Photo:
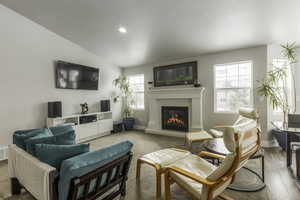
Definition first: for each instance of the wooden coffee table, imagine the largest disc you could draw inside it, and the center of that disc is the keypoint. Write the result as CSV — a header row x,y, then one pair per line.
x,y
217,146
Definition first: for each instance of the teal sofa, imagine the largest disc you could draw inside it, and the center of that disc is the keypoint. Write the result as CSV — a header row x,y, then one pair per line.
x,y
85,176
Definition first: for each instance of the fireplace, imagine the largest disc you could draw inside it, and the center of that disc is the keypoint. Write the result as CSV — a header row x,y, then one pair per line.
x,y
175,118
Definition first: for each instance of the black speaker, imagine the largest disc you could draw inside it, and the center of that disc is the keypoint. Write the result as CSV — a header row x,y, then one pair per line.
x,y
104,105
54,109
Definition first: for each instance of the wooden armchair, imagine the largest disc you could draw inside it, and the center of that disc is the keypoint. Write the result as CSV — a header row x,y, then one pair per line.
x,y
245,114
205,181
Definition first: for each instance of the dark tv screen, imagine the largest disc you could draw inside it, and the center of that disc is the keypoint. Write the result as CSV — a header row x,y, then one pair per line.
x,y
176,74
74,76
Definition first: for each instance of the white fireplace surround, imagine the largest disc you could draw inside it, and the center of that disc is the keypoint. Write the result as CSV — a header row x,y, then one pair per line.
x,y
177,96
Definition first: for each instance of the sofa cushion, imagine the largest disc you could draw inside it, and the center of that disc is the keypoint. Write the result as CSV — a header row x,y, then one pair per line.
x,y
31,142
57,130
65,138
19,137
54,155
87,162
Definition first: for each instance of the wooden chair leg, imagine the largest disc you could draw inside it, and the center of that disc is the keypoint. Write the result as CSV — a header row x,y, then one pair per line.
x,y
263,167
15,186
224,197
158,184
167,187
138,168
191,146
298,163
123,190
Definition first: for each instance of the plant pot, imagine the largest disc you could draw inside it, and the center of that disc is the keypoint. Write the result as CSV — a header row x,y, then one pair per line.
x,y
128,123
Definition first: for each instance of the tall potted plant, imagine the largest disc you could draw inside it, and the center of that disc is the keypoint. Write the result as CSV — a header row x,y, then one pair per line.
x,y
122,83
290,52
273,86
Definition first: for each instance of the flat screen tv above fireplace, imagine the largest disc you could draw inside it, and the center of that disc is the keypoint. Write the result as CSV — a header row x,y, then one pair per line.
x,y
176,74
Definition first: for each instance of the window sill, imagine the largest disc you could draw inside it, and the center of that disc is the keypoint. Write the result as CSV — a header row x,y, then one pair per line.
x,y
230,113
138,109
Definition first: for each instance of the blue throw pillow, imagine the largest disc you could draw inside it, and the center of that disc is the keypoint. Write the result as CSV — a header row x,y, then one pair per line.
x,y
65,138
19,137
57,130
54,155
31,142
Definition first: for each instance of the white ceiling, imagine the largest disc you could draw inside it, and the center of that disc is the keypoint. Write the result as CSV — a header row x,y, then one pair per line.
x,y
160,30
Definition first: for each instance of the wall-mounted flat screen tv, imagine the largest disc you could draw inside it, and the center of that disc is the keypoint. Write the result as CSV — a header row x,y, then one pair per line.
x,y
75,76
176,74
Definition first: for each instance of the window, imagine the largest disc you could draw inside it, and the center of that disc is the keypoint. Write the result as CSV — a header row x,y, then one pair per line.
x,y
233,86
137,84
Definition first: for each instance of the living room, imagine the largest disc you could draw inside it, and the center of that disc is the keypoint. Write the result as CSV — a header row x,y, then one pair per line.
x,y
149,100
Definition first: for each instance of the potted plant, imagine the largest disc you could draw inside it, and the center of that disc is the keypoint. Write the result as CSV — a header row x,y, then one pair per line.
x,y
273,86
290,52
126,93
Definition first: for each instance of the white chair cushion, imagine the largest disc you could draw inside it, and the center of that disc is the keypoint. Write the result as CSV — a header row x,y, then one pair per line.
x,y
215,133
223,168
248,113
240,129
165,157
195,165
229,140
188,184
198,136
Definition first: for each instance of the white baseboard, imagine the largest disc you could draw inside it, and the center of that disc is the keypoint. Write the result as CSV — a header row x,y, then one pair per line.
x,y
139,127
269,143
166,132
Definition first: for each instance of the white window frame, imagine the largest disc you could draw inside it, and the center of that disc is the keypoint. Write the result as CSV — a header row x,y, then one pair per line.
x,y
134,107
215,89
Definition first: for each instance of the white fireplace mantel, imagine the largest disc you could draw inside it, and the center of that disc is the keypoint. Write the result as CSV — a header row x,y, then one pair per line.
x,y
177,96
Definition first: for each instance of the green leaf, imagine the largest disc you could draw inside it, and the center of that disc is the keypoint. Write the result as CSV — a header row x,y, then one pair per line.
x,y
290,51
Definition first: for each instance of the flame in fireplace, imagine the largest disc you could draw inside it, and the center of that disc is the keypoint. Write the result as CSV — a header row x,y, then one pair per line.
x,y
174,119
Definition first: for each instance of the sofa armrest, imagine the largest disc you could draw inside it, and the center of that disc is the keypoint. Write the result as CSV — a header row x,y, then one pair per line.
x,y
37,177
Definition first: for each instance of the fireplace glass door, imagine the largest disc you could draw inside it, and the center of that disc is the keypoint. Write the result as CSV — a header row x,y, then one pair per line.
x,y
175,118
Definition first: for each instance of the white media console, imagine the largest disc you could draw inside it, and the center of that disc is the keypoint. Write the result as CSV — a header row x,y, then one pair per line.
x,y
101,125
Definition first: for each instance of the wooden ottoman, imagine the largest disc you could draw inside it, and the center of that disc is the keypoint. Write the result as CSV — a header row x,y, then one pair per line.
x,y
159,160
196,136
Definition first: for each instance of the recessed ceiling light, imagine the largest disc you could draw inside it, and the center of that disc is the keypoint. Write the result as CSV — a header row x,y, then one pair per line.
x,y
122,30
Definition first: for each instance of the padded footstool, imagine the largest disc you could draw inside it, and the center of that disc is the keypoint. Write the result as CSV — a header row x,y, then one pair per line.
x,y
196,136
159,160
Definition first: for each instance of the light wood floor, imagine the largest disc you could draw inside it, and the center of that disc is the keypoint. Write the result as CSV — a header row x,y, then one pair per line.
x,y
280,180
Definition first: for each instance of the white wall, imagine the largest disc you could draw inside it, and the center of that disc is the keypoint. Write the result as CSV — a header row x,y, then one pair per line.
x,y
27,55
205,74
